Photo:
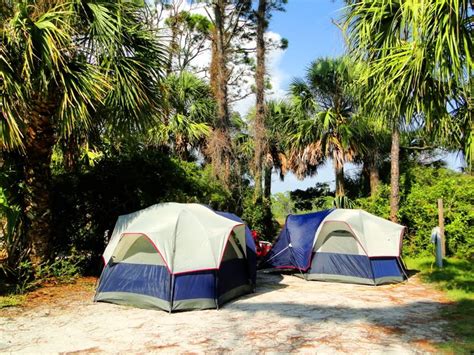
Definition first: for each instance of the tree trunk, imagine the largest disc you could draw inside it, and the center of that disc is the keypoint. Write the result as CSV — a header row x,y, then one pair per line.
x,y
71,154
39,142
394,173
173,46
259,124
373,172
267,191
220,147
221,64
339,171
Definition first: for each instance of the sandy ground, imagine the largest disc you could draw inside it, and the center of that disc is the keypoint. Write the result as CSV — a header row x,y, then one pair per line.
x,y
287,314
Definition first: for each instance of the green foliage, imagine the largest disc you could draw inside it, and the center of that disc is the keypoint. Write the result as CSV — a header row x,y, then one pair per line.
x,y
282,206
420,209
12,300
12,242
189,113
419,58
322,126
63,269
421,188
313,199
259,217
77,57
457,279
377,204
342,202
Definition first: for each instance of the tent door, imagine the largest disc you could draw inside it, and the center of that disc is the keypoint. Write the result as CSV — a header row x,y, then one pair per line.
x,y
340,257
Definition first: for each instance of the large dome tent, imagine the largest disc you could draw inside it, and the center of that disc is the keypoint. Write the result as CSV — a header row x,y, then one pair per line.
x,y
344,245
176,256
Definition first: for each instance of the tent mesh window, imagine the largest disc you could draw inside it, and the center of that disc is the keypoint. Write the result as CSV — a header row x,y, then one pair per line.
x,y
341,242
136,249
233,249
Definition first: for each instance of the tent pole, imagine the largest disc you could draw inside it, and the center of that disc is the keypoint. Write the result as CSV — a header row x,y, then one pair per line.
x,y
402,266
371,269
171,292
299,269
216,288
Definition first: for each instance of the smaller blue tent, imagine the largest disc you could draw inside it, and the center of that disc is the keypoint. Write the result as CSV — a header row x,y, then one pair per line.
x,y
340,245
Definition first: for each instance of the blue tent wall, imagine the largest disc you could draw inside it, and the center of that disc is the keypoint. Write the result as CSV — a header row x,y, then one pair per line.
x,y
299,231
135,278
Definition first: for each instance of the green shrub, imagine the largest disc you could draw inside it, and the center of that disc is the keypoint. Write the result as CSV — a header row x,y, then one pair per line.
x,y
259,217
378,204
421,189
419,209
282,206
13,249
313,199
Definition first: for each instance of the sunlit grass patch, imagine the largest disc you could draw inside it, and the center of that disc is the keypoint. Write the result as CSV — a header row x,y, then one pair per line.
x,y
457,279
11,300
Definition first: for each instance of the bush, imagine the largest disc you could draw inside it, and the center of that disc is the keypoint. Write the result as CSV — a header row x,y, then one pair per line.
x,y
13,244
259,217
421,189
282,206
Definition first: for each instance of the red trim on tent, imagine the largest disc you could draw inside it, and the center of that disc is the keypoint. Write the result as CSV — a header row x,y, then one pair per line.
x,y
220,260
191,271
227,243
188,271
358,241
333,221
151,241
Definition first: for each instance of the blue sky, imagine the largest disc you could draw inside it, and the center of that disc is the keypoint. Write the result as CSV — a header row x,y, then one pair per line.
x,y
307,26
311,34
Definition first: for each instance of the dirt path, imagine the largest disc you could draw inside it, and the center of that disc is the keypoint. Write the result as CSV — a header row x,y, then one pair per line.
x,y
287,314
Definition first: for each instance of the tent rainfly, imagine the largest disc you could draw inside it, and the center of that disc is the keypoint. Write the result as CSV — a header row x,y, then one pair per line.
x,y
175,256
340,245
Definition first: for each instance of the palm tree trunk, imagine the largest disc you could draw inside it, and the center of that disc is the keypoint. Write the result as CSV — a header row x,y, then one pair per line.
x,y
260,96
39,141
71,154
222,75
267,191
394,174
219,148
374,176
339,171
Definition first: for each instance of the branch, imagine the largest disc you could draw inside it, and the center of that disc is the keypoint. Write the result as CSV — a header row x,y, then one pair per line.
x,y
426,147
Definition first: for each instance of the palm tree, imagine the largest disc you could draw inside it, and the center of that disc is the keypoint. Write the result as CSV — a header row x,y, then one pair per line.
x,y
420,55
324,126
190,112
275,154
61,61
376,140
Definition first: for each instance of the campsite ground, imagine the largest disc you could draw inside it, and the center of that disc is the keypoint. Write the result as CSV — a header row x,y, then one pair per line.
x,y
286,314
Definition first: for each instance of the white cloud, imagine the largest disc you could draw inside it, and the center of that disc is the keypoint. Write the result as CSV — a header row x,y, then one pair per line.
x,y
274,72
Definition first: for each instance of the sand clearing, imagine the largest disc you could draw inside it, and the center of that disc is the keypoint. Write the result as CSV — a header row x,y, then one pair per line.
x,y
287,314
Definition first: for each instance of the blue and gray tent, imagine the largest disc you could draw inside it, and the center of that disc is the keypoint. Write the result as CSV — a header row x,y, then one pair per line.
x,y
175,256
340,245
